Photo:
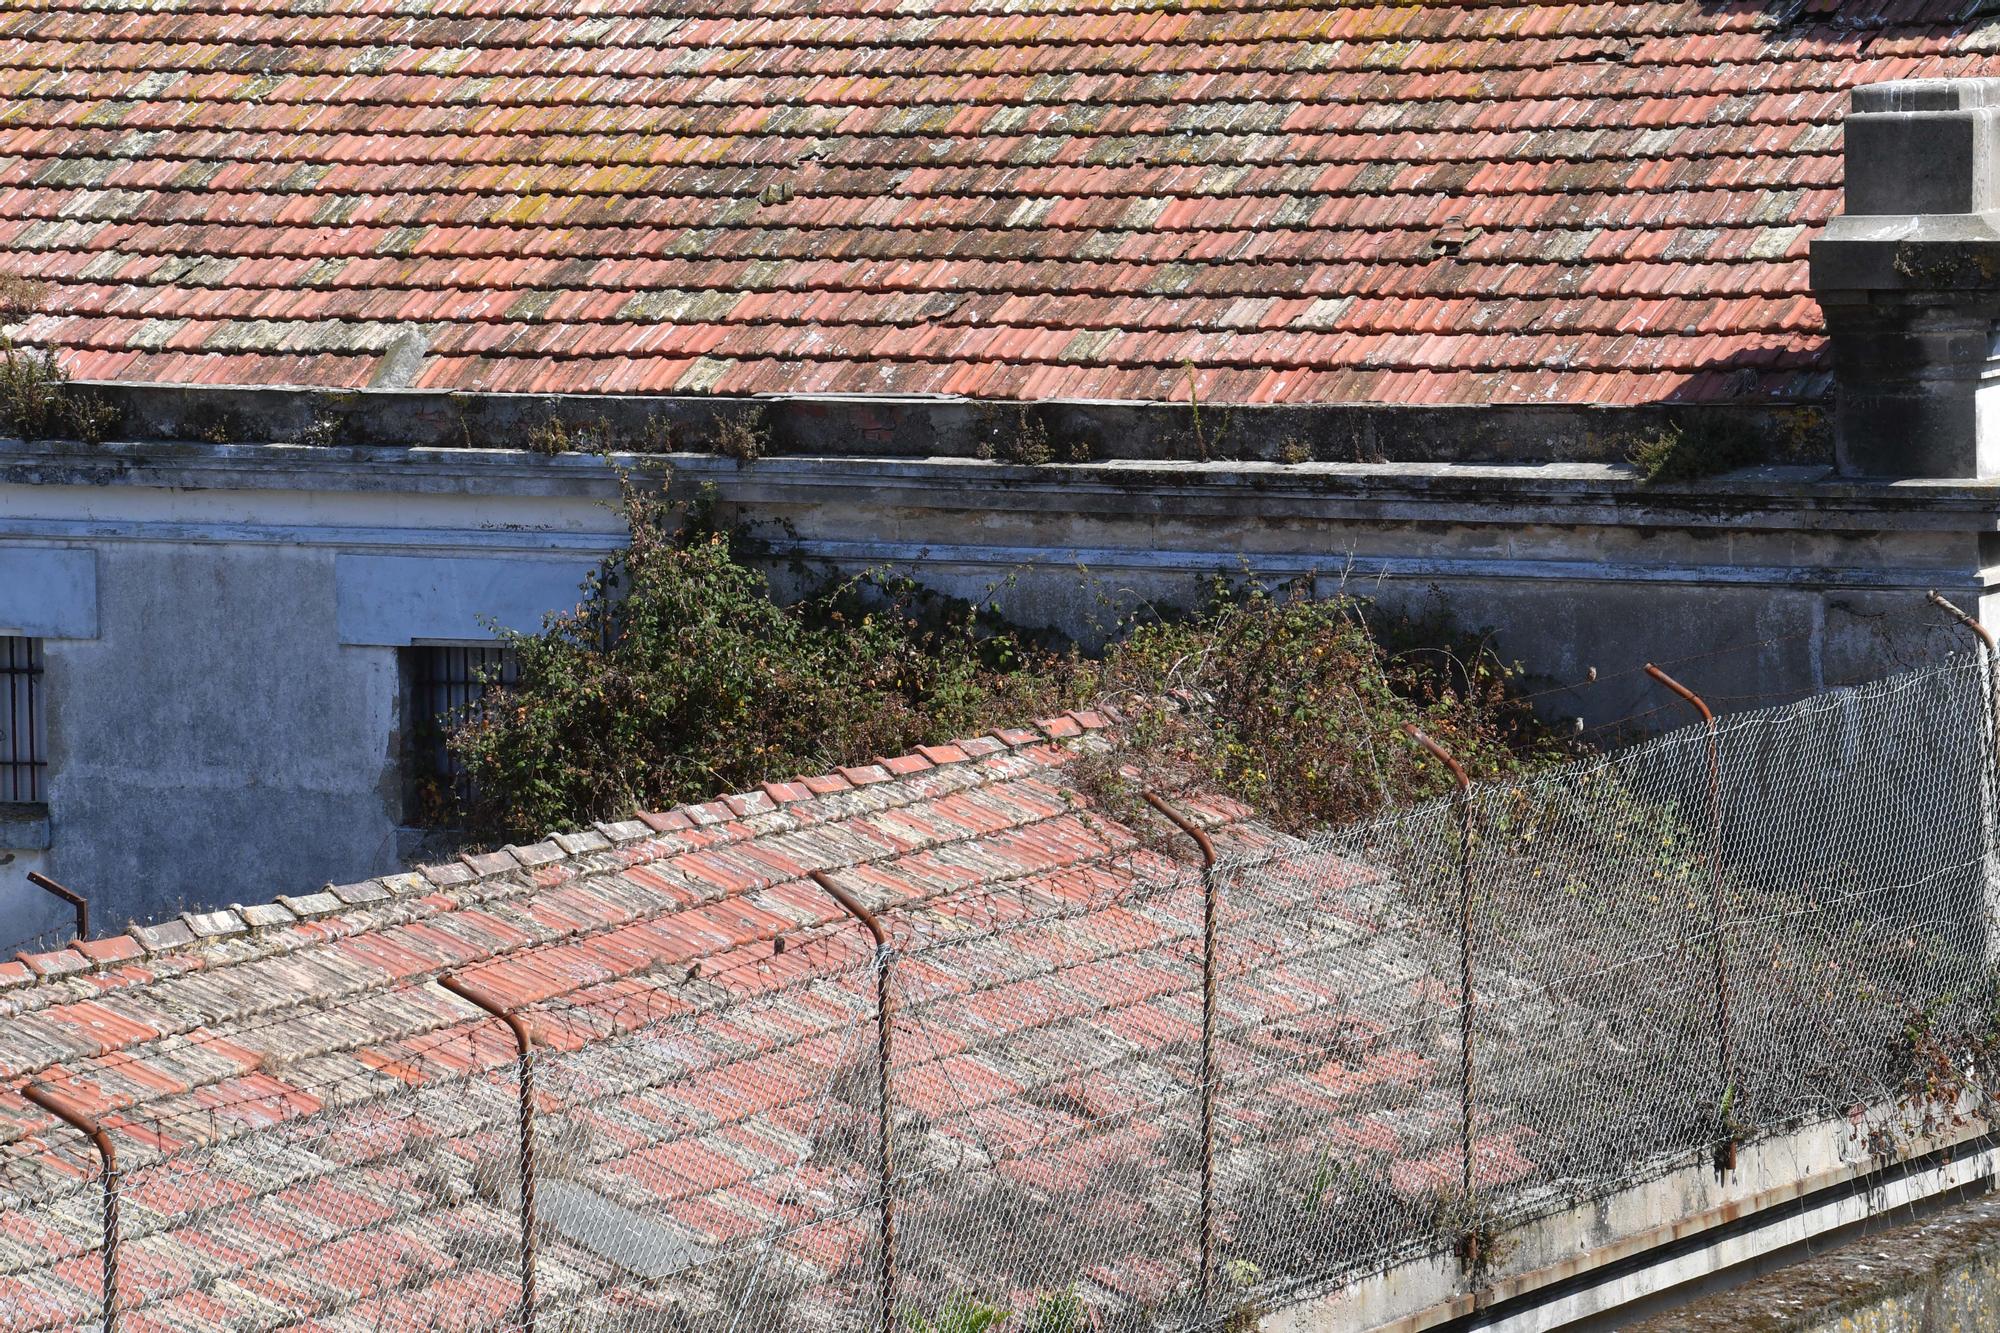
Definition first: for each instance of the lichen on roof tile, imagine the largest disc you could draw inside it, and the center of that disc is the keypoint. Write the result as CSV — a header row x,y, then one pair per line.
x,y
1034,201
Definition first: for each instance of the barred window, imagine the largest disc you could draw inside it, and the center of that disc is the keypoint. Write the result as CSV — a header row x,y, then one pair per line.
x,y
444,685
24,747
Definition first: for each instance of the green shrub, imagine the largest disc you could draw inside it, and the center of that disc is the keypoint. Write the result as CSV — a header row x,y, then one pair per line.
x,y
1057,1312
1295,704
37,402
961,1314
1689,453
679,676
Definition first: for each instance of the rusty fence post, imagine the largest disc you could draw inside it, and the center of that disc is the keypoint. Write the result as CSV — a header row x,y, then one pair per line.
x,y
74,1115
70,896
1210,989
479,997
1990,652
885,1162
1465,992
1725,1057
1990,814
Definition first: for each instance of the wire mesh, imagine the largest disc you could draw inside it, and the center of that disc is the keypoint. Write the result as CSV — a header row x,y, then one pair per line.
x,y
1632,962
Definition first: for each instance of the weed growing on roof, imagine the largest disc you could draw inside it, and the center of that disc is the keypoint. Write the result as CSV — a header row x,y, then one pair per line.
x,y
1208,436
1026,445
591,435
20,296
560,435
38,403
1292,451
1688,453
320,433
36,400
745,438
1026,442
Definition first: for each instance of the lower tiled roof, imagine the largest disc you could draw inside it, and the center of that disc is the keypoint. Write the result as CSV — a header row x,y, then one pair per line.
x,y
317,1135
1273,200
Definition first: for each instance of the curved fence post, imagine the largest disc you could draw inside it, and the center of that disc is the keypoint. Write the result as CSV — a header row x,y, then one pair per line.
x,y
1725,1058
78,903
884,1147
1989,651
1465,991
1989,805
74,1115
1210,988
479,997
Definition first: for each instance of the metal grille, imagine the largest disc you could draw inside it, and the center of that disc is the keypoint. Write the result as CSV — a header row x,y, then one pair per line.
x,y
445,685
23,742
1090,1089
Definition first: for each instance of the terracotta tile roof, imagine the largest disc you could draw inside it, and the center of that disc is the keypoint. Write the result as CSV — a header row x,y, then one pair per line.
x,y
1489,201
315,1135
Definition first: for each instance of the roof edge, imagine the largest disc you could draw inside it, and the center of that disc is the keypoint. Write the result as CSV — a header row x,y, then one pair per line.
x,y
939,426
188,930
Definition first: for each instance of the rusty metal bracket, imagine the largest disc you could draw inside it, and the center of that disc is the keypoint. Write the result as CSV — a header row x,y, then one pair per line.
x,y
77,1117
1991,651
885,1161
1725,1057
1210,993
1970,622
1465,992
1990,654
479,997
70,896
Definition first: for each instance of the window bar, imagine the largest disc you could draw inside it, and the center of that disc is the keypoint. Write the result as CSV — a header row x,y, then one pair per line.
x,y
447,686
22,764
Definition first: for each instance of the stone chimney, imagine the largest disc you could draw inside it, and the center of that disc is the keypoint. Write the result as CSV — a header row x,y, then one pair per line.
x,y
1909,279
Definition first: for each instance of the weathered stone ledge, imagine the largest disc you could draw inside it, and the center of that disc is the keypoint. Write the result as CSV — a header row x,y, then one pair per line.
x,y
922,426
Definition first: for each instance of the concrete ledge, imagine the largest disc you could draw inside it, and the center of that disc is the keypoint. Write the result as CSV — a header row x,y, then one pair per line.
x,y
880,425
1940,1273
1570,1261
1787,497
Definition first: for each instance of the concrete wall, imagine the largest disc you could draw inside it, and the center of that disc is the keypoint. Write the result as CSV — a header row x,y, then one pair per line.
x,y
215,737
222,621
222,694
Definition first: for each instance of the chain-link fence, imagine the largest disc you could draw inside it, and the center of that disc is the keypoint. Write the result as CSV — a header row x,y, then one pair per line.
x,y
1100,1111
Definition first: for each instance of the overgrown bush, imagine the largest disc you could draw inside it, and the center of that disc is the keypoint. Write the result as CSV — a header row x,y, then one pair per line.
x,y
1294,705
679,676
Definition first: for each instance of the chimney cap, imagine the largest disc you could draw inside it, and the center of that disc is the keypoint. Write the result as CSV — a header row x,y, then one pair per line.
x,y
1905,96
1909,279
1924,148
